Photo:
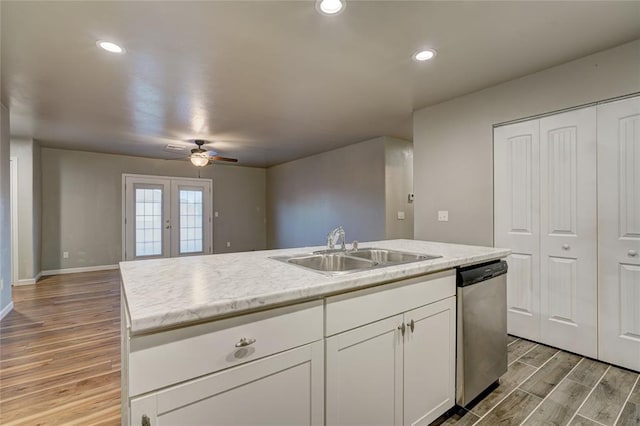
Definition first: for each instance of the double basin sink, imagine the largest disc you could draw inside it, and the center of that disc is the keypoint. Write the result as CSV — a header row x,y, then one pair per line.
x,y
334,262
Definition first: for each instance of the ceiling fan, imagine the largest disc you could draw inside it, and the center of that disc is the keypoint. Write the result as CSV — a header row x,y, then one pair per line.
x,y
200,157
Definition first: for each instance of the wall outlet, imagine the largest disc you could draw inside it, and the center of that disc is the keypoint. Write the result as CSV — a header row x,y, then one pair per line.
x,y
228,243
443,215
400,215
65,254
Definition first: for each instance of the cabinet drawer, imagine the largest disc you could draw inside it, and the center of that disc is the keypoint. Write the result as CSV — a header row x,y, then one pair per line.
x,y
283,389
351,310
170,357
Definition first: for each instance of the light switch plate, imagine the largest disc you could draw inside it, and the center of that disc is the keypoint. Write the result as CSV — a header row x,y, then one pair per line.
x,y
215,214
443,215
65,254
400,215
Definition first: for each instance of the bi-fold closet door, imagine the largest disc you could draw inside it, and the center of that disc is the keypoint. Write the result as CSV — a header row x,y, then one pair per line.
x,y
619,232
545,211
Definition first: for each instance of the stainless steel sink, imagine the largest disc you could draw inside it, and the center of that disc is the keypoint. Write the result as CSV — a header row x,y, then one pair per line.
x,y
387,256
334,262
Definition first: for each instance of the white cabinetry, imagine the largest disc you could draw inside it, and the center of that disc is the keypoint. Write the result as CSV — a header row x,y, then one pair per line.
x,y
283,389
261,368
619,232
392,361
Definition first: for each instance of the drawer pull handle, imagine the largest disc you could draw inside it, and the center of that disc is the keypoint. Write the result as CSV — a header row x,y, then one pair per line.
x,y
632,253
402,328
411,325
566,247
145,420
245,342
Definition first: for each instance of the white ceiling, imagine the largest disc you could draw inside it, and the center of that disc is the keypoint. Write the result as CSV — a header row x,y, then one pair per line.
x,y
272,81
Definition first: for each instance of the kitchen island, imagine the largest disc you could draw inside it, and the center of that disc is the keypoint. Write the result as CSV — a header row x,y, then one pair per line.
x,y
242,338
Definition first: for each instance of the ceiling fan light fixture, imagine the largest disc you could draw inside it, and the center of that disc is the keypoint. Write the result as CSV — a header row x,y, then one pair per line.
x,y
330,7
199,159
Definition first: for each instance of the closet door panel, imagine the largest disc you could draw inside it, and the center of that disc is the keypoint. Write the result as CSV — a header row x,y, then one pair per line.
x,y
619,232
568,271
517,222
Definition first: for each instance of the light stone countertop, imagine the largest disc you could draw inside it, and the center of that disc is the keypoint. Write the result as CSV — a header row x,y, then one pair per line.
x,y
166,293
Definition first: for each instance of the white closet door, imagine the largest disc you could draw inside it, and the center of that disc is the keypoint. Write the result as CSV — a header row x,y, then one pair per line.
x,y
568,270
619,232
517,221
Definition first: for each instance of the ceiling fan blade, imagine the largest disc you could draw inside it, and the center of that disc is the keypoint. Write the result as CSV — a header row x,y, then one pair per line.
x,y
219,158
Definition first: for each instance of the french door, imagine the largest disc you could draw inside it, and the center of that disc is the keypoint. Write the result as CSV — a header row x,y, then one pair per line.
x,y
166,217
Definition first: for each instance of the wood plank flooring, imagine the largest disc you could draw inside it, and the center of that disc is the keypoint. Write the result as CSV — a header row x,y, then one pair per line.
x,y
547,386
60,352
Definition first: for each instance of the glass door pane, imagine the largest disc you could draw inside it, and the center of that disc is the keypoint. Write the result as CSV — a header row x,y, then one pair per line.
x,y
148,221
191,220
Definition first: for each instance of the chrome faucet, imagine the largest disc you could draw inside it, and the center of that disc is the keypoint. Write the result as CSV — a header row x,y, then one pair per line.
x,y
334,236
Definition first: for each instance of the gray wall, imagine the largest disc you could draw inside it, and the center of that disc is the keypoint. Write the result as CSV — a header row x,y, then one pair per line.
x,y
307,198
453,141
398,185
29,217
81,205
5,212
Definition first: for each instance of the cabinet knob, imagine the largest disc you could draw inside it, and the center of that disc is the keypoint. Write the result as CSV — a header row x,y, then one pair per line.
x,y
145,420
632,253
402,328
411,325
245,342
566,247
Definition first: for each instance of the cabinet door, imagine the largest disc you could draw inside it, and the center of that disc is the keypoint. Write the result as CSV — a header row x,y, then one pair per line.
x,y
568,261
619,232
364,375
429,362
517,221
284,389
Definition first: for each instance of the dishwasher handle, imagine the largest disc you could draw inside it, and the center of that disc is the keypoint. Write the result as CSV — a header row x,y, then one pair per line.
x,y
477,273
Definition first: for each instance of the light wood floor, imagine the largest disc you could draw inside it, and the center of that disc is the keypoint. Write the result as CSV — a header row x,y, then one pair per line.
x,y
60,352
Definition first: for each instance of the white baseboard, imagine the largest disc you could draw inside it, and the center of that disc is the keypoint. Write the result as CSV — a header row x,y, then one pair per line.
x,y
81,269
29,281
6,310
25,281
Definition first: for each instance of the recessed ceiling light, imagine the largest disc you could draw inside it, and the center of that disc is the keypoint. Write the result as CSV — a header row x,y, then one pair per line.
x,y
109,46
424,55
330,7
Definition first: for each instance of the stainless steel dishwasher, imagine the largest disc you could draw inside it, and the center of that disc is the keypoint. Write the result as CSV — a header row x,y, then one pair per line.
x,y
482,328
